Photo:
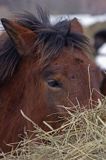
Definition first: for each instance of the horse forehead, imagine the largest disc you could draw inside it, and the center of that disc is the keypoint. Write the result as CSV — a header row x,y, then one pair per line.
x,y
69,57
74,62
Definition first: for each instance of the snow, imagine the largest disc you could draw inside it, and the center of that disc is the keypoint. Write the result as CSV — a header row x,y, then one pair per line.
x,y
101,62
85,19
101,57
102,50
1,28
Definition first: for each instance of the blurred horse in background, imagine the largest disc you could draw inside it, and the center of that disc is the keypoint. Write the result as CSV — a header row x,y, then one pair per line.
x,y
99,39
42,68
100,55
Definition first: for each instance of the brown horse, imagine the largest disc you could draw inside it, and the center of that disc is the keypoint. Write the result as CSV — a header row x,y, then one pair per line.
x,y
43,67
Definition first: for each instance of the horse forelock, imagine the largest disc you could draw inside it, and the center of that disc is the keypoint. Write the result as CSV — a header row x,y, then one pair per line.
x,y
51,39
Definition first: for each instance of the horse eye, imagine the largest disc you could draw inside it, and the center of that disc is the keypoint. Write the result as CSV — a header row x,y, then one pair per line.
x,y
54,83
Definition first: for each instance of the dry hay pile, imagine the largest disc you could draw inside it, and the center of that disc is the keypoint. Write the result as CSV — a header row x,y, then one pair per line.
x,y
82,137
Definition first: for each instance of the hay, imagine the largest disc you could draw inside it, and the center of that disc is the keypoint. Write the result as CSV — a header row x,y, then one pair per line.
x,y
82,137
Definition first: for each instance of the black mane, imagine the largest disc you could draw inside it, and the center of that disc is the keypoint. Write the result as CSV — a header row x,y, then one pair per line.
x,y
51,39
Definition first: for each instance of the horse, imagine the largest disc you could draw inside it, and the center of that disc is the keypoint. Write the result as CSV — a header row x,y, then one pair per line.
x,y
43,67
100,55
99,39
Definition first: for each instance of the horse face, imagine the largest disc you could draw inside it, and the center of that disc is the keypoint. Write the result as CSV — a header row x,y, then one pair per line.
x,y
71,78
68,79
41,90
64,82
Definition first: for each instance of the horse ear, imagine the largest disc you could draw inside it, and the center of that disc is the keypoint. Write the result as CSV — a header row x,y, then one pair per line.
x,y
22,37
75,26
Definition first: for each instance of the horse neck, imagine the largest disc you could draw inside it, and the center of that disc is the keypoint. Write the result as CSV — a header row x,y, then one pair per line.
x,y
11,91
11,94
19,92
